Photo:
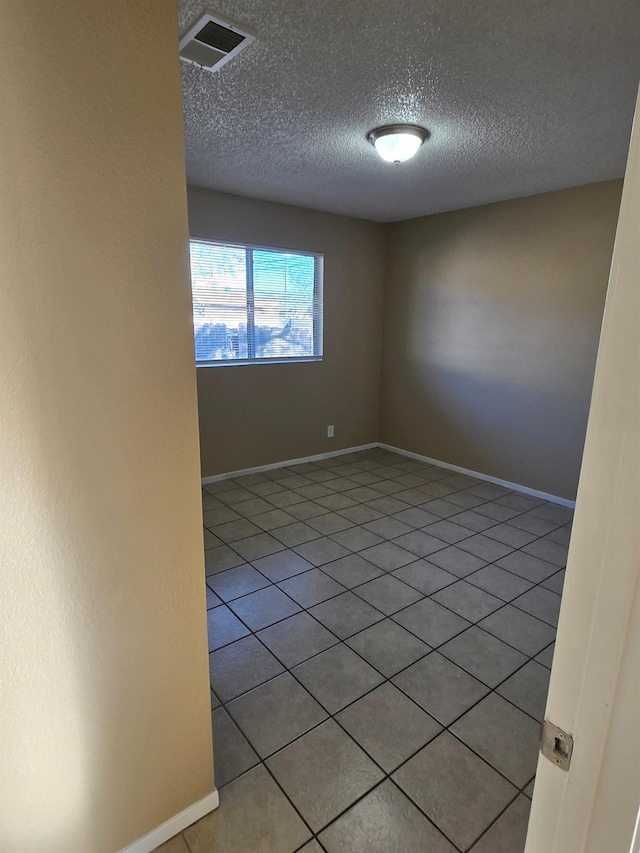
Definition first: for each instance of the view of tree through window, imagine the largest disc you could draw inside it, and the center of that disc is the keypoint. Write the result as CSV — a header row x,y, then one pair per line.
x,y
255,303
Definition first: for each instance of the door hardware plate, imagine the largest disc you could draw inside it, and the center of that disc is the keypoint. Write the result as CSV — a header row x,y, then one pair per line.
x,y
556,745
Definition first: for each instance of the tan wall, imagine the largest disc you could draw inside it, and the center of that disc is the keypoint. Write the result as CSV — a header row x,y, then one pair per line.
x,y
104,705
257,414
492,319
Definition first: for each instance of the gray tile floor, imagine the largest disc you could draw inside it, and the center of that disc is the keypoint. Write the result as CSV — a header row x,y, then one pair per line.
x,y
380,635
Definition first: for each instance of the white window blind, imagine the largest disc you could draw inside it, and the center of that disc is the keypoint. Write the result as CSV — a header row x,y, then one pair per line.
x,y
255,304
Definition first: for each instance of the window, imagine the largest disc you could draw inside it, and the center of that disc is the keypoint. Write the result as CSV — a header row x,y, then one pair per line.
x,y
254,304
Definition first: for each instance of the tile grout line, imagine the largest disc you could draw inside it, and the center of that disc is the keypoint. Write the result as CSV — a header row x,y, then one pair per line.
x,y
186,840
498,816
409,506
385,678
390,616
432,648
418,557
307,608
272,531
423,529
332,716
391,572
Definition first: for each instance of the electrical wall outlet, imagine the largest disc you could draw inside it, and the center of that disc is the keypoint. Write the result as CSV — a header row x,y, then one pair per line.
x,y
330,432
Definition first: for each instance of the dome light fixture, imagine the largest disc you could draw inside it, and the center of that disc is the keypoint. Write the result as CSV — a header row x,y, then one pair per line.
x,y
396,143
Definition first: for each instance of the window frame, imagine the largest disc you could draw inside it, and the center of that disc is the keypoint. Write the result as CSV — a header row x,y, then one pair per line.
x,y
318,305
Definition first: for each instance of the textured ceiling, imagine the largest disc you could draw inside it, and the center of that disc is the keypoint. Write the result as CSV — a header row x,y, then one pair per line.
x,y
520,98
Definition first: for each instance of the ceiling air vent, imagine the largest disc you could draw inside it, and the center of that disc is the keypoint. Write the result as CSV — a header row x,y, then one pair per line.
x,y
211,42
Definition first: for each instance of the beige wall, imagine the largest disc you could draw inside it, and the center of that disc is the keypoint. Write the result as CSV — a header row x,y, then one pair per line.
x,y
104,704
492,318
257,414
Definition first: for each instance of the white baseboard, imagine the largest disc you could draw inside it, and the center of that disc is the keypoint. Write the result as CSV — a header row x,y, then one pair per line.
x,y
272,467
174,825
515,487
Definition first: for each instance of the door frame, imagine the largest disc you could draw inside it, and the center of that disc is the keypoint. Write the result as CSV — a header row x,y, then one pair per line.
x,y
593,676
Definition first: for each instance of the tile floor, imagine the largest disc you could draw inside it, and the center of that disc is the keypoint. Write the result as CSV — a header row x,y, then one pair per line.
x,y
380,636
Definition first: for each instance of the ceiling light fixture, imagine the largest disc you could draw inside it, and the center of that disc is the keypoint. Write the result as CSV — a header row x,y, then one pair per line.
x,y
396,143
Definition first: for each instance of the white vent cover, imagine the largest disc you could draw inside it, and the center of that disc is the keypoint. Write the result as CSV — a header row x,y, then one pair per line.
x,y
211,42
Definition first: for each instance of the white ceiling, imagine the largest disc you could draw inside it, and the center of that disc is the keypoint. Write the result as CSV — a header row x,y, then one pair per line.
x,y
520,98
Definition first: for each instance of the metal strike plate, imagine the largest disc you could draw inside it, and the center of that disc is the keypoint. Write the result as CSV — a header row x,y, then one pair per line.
x,y
556,745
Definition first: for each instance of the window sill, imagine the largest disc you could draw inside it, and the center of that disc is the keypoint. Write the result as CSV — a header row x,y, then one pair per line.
x,y
236,362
